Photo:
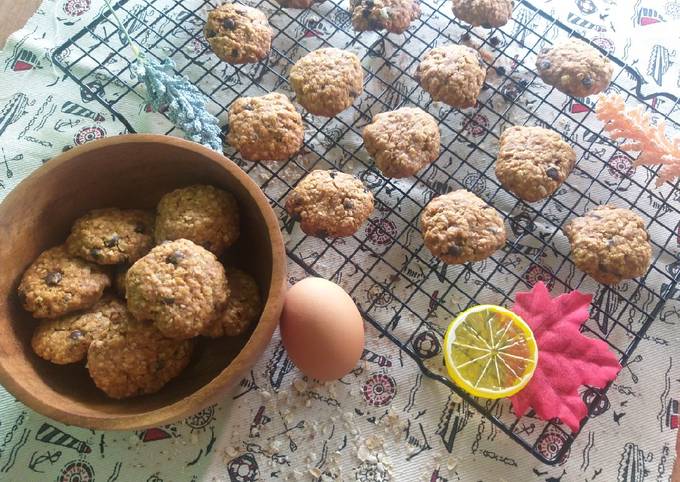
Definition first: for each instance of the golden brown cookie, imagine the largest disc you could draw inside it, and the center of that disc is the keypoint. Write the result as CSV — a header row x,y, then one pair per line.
x,y
266,128
326,81
136,359
66,340
402,142
485,13
238,34
459,227
610,244
392,15
575,68
112,236
330,203
243,306
453,74
533,162
57,284
203,214
179,286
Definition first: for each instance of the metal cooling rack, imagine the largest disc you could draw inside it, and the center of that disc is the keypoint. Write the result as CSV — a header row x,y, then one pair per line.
x,y
401,290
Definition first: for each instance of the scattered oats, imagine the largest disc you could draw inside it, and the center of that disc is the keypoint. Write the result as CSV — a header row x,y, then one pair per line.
x,y
363,453
372,459
265,394
380,467
288,419
232,451
300,385
451,463
314,472
275,446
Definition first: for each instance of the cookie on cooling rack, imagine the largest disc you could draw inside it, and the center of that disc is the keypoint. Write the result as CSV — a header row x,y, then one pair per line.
x,y
135,358
459,227
243,306
238,34
392,15
453,74
330,203
112,236
179,286
57,284
402,142
203,214
485,13
533,162
610,244
575,68
327,81
265,128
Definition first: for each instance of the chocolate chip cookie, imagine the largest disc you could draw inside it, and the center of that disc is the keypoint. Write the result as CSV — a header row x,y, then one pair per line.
x,y
112,236
265,128
66,340
135,358
610,244
180,286
453,74
575,68
459,227
402,142
392,15
533,162
203,214
238,34
326,81
243,306
57,284
330,203
485,13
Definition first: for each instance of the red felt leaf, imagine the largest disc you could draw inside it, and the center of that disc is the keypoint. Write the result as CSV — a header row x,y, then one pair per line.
x,y
566,358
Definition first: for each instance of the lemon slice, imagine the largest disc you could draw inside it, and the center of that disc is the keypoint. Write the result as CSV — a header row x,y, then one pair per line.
x,y
490,352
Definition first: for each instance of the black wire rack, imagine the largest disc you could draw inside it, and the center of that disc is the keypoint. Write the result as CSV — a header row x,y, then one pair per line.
x,y
403,291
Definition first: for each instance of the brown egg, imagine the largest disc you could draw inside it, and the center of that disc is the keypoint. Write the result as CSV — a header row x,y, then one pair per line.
x,y
322,329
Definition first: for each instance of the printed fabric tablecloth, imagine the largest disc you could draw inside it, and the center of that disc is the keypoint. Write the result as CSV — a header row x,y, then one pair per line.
x,y
382,422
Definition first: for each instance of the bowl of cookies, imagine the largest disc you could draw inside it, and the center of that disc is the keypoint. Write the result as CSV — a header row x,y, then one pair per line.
x,y
142,276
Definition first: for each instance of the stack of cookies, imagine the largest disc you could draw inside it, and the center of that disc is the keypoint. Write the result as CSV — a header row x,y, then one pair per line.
x,y
130,290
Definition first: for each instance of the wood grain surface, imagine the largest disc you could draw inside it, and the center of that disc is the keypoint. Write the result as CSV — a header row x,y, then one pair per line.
x,y
13,16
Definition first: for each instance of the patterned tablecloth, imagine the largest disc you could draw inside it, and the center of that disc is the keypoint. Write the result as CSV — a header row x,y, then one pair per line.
x,y
384,421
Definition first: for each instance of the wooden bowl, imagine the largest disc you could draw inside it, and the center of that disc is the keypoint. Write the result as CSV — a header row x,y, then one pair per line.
x,y
129,171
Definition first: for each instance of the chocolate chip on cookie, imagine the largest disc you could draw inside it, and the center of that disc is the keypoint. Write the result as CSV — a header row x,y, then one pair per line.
x,y
392,15
330,203
238,34
533,162
242,309
402,142
327,81
485,13
610,244
575,68
203,214
266,128
180,286
453,74
57,284
459,227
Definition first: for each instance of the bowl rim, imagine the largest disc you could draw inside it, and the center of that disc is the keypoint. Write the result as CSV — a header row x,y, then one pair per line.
x,y
248,355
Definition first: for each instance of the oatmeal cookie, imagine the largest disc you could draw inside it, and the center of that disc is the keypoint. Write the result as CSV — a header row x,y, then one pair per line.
x,y
610,244
112,236
326,81
266,128
392,15
243,306
575,68
66,340
203,214
136,359
402,142
485,13
459,227
533,162
238,34
330,203
180,286
453,74
57,284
